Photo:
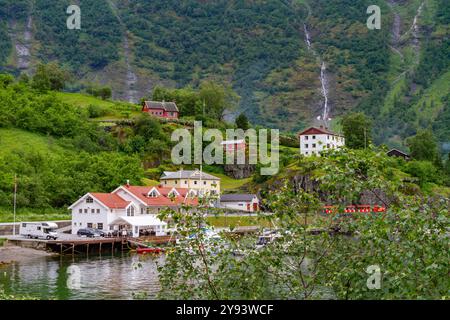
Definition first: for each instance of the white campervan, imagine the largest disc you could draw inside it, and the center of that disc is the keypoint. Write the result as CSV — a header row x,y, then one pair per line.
x,y
36,230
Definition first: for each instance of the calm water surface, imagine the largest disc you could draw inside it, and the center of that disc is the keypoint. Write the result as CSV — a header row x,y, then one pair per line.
x,y
105,277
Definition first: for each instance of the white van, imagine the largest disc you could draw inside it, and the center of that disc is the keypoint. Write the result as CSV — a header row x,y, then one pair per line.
x,y
39,230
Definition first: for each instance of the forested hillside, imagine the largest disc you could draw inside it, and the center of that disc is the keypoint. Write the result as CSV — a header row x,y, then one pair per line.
x,y
398,75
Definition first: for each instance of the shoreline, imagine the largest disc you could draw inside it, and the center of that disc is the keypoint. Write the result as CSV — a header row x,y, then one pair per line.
x,y
11,254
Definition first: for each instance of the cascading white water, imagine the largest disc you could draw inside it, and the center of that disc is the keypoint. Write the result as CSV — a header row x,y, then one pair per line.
x,y
22,43
324,81
415,27
131,78
308,39
323,76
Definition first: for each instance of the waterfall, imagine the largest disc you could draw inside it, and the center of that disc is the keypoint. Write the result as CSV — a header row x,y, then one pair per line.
x,y
415,27
131,78
308,38
323,77
22,43
324,81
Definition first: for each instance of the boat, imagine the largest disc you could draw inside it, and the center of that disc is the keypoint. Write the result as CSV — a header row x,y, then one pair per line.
x,y
149,250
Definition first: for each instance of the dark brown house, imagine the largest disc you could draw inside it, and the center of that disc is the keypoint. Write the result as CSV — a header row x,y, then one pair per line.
x,y
398,153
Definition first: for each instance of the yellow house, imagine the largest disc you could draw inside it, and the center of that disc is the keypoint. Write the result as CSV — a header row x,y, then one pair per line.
x,y
202,183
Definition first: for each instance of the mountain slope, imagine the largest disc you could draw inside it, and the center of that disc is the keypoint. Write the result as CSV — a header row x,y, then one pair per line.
x,y
286,59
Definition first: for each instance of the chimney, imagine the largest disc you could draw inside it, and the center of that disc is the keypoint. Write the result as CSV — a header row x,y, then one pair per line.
x,y
128,183
321,126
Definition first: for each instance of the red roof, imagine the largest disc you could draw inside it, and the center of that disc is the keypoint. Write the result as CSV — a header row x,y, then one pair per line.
x,y
315,130
163,199
111,200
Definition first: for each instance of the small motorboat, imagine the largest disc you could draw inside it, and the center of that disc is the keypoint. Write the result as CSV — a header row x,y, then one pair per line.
x,y
149,250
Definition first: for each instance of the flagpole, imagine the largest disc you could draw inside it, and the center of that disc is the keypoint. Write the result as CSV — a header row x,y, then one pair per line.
x,y
201,172
15,198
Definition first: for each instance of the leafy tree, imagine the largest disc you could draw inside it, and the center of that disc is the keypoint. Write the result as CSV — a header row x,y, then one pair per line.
x,y
242,122
217,98
423,146
318,256
357,128
425,171
6,80
50,77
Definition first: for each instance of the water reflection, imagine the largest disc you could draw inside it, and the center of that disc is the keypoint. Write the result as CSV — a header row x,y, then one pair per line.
x,y
101,277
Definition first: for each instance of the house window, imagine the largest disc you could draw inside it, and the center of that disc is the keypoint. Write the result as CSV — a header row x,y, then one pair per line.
x,y
314,145
153,194
195,182
185,182
314,137
204,182
100,226
130,211
89,200
98,210
89,225
92,210
306,146
328,146
165,182
85,211
80,211
306,137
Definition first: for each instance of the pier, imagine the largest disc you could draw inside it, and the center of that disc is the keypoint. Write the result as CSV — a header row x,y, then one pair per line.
x,y
71,244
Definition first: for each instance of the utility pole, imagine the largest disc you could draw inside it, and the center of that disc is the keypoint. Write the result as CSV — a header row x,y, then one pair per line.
x,y
201,172
365,138
15,199
204,105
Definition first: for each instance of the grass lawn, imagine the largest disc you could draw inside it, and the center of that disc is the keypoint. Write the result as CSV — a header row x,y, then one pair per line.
x,y
6,215
230,184
150,182
115,108
83,100
16,140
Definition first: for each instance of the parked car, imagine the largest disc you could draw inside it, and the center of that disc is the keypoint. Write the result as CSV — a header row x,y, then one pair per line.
x,y
90,233
100,232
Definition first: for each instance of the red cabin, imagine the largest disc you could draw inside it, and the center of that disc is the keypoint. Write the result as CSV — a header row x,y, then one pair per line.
x,y
167,110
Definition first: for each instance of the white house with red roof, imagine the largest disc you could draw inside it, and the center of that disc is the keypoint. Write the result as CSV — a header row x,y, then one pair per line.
x,y
133,208
315,140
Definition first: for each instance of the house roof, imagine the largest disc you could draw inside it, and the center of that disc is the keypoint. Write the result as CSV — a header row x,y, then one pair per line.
x,y
167,106
237,197
187,174
397,152
111,200
320,130
163,200
140,221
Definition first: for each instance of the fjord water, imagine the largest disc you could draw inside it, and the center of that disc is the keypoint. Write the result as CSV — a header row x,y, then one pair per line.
x,y
106,277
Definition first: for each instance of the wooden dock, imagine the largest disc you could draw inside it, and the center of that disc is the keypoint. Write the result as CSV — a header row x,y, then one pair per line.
x,y
75,245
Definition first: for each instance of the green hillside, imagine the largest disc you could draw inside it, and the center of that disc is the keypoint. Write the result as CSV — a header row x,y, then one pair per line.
x,y
257,47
